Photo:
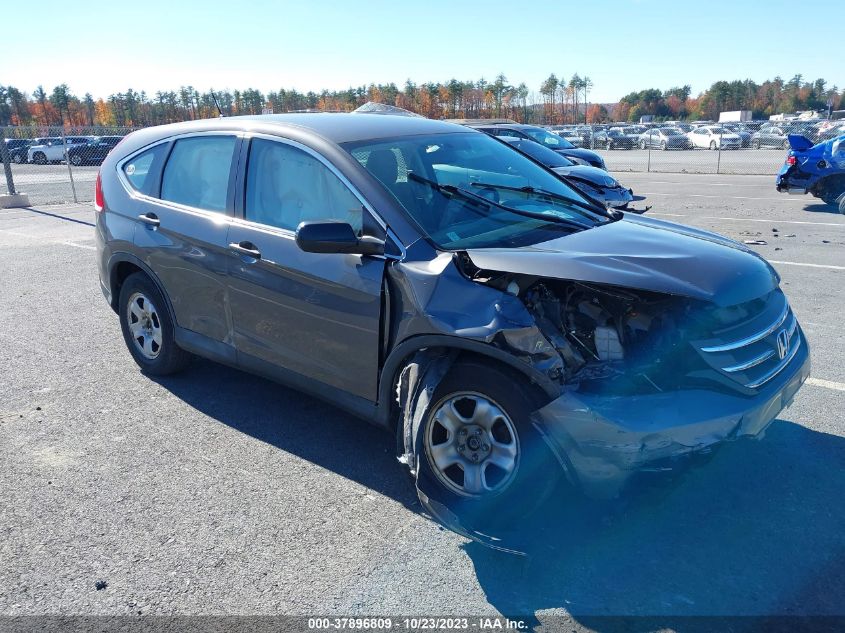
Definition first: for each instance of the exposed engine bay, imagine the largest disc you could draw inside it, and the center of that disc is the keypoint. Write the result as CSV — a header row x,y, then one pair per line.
x,y
616,340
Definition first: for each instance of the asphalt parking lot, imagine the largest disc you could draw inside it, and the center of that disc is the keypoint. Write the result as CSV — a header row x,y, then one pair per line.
x,y
214,492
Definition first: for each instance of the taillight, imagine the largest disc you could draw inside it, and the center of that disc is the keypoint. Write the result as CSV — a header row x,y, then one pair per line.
x,y
791,160
99,202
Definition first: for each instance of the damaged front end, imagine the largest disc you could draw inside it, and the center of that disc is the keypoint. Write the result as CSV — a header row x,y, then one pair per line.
x,y
651,379
646,380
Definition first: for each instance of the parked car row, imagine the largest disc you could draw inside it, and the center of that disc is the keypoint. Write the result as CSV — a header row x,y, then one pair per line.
x,y
78,150
698,134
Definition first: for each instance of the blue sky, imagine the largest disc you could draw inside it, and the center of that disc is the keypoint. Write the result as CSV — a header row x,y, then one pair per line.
x,y
623,45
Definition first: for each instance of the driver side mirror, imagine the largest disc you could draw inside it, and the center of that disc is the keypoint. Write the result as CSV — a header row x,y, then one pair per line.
x,y
336,237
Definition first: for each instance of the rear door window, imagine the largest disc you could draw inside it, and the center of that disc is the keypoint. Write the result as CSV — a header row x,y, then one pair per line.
x,y
197,172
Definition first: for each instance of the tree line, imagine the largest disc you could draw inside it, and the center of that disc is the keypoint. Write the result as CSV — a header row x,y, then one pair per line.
x,y
555,101
773,96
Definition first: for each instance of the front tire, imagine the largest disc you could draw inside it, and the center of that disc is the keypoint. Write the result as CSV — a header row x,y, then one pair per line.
x,y
17,158
712,145
477,452
148,330
39,158
76,160
663,146
756,143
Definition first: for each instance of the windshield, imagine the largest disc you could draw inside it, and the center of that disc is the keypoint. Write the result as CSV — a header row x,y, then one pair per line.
x,y
547,138
468,190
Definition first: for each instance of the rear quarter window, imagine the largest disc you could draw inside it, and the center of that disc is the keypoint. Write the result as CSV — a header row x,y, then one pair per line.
x,y
141,170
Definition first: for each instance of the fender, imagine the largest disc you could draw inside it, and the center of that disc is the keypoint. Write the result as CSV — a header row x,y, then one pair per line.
x,y
393,365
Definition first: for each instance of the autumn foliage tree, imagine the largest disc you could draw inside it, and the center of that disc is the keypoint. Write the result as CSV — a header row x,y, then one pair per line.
x,y
557,100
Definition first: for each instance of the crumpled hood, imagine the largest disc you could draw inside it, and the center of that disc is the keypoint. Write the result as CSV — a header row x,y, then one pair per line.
x,y
591,174
647,254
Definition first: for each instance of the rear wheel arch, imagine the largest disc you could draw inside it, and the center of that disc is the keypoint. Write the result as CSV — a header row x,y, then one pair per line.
x,y
121,266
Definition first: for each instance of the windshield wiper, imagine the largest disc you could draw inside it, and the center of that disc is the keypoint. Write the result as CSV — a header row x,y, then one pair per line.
x,y
542,192
469,195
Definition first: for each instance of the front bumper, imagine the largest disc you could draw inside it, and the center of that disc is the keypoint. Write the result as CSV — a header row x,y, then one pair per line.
x,y
602,442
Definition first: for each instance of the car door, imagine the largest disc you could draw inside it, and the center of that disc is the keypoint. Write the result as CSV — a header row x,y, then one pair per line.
x,y
695,137
317,315
55,149
183,225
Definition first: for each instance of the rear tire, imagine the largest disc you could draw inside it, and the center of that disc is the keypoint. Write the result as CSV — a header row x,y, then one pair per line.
x,y
76,160
713,145
148,329
830,189
663,146
39,158
477,452
785,144
17,158
756,143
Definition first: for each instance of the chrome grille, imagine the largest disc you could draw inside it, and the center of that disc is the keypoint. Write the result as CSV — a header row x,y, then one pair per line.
x,y
754,357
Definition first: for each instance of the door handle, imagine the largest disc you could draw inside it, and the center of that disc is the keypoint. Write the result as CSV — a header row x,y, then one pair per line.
x,y
151,219
248,249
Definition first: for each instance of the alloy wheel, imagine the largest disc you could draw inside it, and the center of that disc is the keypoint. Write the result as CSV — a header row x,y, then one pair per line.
x,y
144,325
472,445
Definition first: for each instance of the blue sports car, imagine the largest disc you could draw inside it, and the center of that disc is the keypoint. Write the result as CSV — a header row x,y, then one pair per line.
x,y
816,169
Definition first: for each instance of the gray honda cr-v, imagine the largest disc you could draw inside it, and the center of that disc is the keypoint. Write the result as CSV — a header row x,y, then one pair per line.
x,y
434,281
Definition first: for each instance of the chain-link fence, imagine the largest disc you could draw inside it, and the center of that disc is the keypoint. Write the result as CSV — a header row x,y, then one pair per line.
x,y
59,164
751,147
55,165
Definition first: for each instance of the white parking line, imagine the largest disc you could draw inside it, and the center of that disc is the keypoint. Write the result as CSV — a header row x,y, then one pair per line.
x,y
718,217
702,195
709,184
829,266
75,245
827,384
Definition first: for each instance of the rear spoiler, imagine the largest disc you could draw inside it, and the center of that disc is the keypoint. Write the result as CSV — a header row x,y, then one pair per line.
x,y
799,142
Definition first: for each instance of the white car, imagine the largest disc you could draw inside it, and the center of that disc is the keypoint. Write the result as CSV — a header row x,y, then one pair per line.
x,y
52,149
713,137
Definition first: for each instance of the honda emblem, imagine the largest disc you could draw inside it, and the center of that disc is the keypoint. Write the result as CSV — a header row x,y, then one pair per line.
x,y
783,344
